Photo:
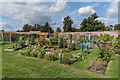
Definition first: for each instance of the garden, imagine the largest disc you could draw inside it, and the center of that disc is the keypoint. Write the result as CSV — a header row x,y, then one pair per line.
x,y
68,56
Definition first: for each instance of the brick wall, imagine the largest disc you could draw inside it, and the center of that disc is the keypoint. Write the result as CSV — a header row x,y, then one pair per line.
x,y
114,33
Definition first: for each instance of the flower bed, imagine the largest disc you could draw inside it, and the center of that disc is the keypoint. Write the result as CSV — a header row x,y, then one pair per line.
x,y
66,59
50,56
102,61
36,51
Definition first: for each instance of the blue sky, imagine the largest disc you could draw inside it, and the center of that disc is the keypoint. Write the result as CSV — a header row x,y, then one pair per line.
x,y
15,15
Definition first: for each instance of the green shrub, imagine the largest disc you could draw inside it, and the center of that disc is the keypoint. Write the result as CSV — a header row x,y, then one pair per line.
x,y
50,56
79,56
27,52
44,50
116,46
61,43
119,35
34,53
106,38
20,43
21,52
72,46
66,60
40,55
64,51
53,39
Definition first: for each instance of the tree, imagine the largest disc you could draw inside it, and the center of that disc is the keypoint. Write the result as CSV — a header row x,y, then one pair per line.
x,y
117,27
27,28
47,28
108,28
2,30
111,27
37,27
91,24
67,24
74,29
58,29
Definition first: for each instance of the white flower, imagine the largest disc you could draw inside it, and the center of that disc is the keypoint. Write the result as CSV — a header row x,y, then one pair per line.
x,y
73,55
78,57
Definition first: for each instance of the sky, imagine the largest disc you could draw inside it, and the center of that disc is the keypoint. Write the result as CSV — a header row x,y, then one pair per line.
x,y
14,15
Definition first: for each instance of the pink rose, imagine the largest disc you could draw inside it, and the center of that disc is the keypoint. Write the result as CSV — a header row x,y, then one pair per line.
x,y
83,43
83,33
33,50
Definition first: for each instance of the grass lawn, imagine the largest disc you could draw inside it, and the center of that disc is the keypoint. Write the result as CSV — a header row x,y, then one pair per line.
x,y
15,65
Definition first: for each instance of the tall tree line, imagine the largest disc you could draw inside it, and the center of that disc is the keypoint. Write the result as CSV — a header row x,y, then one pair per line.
x,y
37,27
88,24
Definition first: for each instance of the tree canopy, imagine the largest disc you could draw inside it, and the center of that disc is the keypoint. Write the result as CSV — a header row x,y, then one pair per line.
x,y
58,29
91,24
88,24
67,24
117,27
37,27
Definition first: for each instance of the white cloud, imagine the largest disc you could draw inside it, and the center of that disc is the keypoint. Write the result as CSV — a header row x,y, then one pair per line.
x,y
86,11
7,27
112,11
30,12
108,21
58,7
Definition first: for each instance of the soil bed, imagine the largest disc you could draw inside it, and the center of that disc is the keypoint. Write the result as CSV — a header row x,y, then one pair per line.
x,y
98,66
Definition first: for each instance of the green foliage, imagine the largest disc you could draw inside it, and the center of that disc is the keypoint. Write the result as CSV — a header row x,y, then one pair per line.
x,y
91,24
20,43
40,55
74,29
50,56
72,46
64,51
117,27
66,60
42,41
61,43
105,51
116,46
27,28
21,52
14,37
21,37
32,38
69,36
27,52
18,66
44,50
34,53
86,51
37,27
78,56
106,38
67,24
47,28
58,29
53,39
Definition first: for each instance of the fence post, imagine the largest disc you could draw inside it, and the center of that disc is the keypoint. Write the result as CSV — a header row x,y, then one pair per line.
x,y
10,37
2,35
